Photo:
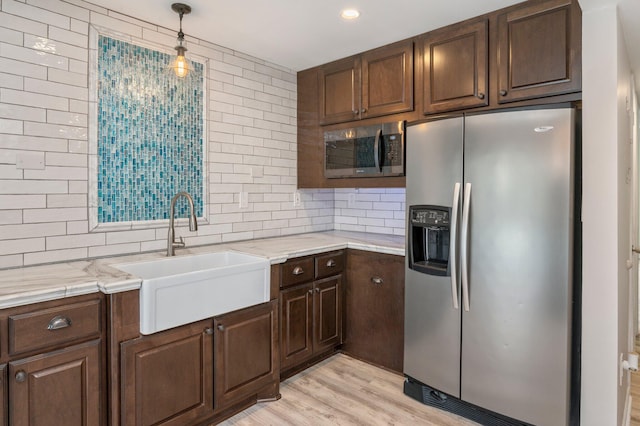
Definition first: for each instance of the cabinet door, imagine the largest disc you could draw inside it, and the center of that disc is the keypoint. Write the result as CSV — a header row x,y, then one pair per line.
x,y
455,68
339,91
387,80
61,388
245,343
539,50
327,322
167,377
296,313
375,308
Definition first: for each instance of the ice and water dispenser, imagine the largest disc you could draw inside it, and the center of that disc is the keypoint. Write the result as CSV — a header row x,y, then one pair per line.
x,y
429,239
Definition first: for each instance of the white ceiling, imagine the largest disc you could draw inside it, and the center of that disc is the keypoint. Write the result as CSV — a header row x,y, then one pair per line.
x,y
300,34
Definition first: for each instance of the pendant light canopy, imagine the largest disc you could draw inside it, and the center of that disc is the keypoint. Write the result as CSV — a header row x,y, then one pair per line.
x,y
180,65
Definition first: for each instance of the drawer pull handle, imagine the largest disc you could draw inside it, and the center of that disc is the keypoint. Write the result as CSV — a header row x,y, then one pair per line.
x,y
58,322
331,263
21,376
221,327
298,270
377,280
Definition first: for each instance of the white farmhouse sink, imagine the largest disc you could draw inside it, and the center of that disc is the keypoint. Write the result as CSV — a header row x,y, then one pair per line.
x,y
180,290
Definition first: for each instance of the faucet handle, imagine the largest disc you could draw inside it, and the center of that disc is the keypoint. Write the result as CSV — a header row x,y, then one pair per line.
x,y
179,243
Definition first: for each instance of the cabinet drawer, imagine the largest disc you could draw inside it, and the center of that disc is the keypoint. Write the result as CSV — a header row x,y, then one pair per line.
x,y
329,264
297,271
54,326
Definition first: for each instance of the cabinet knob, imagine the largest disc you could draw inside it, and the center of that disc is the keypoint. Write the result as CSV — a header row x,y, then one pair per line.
x,y
377,280
58,322
208,331
220,327
480,95
311,291
355,111
331,263
21,376
317,290
298,270
363,110
503,92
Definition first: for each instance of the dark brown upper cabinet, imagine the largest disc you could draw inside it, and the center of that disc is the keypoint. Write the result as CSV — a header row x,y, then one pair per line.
x,y
538,50
455,67
373,84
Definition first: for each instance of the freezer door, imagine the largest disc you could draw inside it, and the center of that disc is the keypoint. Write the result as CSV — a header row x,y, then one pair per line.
x,y
432,324
516,334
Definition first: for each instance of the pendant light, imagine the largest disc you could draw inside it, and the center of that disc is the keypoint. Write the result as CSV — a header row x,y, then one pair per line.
x,y
180,65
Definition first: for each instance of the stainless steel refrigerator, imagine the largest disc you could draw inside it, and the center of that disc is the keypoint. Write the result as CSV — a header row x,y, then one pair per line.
x,y
489,265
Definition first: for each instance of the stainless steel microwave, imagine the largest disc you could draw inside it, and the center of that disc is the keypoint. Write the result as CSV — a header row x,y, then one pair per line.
x,y
366,151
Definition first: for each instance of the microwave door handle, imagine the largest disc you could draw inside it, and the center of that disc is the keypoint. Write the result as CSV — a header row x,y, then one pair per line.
x,y
377,150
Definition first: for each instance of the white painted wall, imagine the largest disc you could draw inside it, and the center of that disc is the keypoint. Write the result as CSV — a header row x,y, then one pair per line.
x,y
606,220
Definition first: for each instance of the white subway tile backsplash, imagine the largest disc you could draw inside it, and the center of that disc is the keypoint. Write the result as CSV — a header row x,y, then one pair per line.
x,y
23,201
67,77
54,215
33,99
22,24
35,13
55,89
74,241
54,256
17,187
10,217
66,200
22,69
11,126
57,173
25,245
78,227
17,232
10,36
33,56
11,261
18,112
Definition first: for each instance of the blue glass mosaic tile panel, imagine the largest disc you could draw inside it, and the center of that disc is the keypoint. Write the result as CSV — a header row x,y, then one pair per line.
x,y
150,134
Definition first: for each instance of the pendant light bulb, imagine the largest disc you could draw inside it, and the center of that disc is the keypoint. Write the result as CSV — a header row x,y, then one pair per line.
x,y
180,65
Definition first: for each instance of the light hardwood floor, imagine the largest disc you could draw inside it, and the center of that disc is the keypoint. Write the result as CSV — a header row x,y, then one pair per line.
x,y
344,391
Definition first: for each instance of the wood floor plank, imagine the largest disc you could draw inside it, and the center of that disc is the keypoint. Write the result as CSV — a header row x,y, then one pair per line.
x,y
344,391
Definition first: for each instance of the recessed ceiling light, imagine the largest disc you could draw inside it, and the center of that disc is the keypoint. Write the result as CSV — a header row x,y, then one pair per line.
x,y
349,14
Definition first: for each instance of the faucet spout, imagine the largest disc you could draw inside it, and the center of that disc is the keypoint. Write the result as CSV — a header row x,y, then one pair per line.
x,y
172,244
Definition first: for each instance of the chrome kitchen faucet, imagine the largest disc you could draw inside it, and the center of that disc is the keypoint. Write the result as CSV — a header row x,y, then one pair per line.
x,y
193,223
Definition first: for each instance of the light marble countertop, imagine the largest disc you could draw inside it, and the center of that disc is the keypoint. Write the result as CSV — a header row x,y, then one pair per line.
x,y
22,286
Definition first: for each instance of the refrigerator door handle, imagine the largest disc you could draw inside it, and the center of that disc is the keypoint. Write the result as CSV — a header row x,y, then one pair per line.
x,y
464,242
453,246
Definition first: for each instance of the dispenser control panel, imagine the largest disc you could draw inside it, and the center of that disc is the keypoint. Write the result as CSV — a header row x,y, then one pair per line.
x,y
428,217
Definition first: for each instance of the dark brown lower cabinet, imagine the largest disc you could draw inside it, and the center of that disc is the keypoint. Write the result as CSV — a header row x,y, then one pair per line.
x,y
246,344
167,378
60,388
311,316
375,308
296,307
201,372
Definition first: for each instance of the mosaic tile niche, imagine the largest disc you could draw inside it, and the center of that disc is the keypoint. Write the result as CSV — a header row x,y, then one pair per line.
x,y
150,134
